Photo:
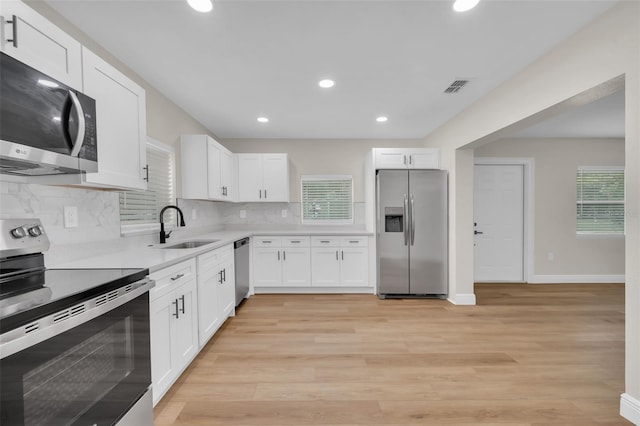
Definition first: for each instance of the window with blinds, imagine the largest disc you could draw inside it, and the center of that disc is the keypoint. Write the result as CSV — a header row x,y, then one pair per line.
x,y
140,209
327,199
600,201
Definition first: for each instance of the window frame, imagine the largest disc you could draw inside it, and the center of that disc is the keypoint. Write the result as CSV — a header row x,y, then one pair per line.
x,y
304,221
150,228
578,202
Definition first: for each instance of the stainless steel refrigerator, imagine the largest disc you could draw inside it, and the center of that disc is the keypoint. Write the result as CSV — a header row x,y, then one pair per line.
x,y
412,233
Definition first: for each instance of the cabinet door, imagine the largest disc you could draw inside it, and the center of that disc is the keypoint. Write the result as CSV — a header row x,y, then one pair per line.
x,y
214,181
250,177
121,122
391,158
275,177
325,267
163,362
208,312
354,267
227,169
296,267
428,158
186,330
227,300
40,44
267,267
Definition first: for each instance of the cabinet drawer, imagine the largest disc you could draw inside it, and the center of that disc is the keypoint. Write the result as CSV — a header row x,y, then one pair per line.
x,y
267,241
296,241
354,242
174,275
325,241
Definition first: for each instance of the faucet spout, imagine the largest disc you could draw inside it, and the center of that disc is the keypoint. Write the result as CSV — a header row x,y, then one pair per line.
x,y
165,235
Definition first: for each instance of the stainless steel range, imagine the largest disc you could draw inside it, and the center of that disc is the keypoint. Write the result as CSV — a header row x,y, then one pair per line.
x,y
74,343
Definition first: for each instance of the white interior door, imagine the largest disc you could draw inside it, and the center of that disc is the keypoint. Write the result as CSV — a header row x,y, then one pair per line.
x,y
499,222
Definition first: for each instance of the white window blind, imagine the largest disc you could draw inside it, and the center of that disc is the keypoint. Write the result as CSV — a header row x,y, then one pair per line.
x,y
600,200
327,199
142,207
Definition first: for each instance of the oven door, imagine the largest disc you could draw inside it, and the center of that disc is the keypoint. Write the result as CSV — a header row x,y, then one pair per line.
x,y
91,374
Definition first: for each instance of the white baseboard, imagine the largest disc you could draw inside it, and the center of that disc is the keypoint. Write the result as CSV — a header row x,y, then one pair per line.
x,y
630,408
313,290
576,279
463,299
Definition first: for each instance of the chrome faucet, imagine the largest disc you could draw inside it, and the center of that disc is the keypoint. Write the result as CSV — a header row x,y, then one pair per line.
x,y
163,235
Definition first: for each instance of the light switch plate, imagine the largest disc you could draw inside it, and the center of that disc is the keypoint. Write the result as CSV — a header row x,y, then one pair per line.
x,y
70,216
194,214
243,214
285,212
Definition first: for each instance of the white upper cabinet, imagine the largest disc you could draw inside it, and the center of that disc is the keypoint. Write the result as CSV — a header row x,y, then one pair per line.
x,y
207,169
263,177
122,125
406,158
33,40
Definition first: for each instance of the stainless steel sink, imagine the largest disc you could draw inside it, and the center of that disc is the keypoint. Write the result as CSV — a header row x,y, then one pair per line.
x,y
190,244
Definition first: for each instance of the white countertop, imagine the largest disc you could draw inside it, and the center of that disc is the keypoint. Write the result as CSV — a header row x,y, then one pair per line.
x,y
155,257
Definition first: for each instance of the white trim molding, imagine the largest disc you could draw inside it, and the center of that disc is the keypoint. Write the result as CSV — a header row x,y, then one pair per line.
x,y
576,279
463,299
630,408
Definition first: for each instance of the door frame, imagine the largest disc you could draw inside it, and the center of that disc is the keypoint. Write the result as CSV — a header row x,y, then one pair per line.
x,y
528,208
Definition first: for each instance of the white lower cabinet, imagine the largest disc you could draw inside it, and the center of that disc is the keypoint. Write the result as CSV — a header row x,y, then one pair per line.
x,y
281,262
339,262
305,261
216,291
173,323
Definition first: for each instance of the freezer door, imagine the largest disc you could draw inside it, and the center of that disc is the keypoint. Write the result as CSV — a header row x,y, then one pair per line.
x,y
392,231
428,251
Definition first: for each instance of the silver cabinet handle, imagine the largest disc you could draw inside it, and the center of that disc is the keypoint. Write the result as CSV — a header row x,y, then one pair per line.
x,y
175,314
336,254
224,275
410,159
404,159
81,125
14,34
284,255
278,254
353,242
177,277
324,242
406,220
478,232
342,254
146,170
413,221
260,194
181,298
265,194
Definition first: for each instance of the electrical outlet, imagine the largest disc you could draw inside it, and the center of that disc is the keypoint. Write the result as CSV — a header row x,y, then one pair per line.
x,y
194,214
285,212
243,214
551,256
70,216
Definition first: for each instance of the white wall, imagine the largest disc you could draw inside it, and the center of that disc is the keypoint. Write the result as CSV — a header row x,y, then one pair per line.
x,y
594,57
327,156
554,217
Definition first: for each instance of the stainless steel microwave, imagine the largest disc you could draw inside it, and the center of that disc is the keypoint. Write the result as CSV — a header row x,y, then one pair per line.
x,y
46,127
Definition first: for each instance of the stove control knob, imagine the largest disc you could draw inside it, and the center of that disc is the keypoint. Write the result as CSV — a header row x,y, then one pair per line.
x,y
35,231
19,232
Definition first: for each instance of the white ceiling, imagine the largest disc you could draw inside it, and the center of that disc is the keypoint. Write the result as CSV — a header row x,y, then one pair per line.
x,y
603,118
251,58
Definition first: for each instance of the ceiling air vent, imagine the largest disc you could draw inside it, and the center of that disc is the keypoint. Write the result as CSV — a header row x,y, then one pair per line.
x,y
456,86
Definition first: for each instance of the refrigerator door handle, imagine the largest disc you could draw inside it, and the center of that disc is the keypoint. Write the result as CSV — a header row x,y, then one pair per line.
x,y
406,220
413,221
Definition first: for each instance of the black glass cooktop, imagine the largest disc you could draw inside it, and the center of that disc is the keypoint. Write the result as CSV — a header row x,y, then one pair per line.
x,y
41,293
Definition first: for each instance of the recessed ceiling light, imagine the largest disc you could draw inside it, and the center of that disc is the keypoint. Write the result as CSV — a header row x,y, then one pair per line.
x,y
382,119
263,120
464,5
325,84
201,5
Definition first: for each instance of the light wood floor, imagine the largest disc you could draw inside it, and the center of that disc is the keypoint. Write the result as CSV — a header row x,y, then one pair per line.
x,y
526,355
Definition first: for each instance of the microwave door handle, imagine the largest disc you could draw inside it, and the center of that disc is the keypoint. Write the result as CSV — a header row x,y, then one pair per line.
x,y
81,125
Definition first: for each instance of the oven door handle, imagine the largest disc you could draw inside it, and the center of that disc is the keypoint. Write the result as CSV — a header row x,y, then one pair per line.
x,y
17,340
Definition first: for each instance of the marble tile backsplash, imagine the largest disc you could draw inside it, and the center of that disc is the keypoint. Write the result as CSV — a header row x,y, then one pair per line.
x,y
98,228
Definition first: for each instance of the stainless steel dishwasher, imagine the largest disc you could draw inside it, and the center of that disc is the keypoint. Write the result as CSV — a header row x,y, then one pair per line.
x,y
241,259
